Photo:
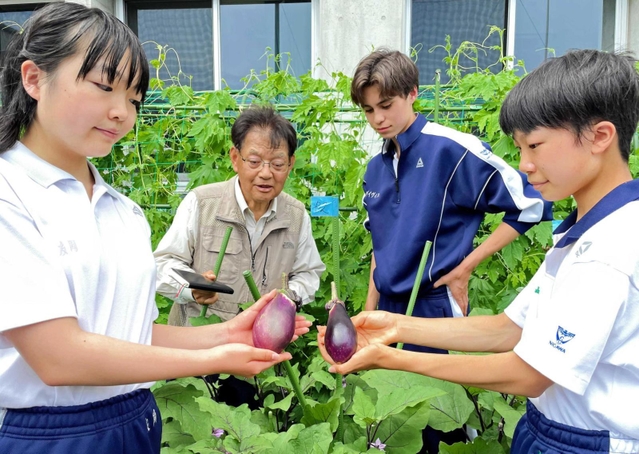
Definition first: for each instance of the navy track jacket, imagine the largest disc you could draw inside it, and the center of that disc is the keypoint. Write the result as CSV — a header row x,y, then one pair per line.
x,y
446,182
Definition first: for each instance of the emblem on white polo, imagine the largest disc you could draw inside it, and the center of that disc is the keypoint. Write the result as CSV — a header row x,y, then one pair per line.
x,y
563,336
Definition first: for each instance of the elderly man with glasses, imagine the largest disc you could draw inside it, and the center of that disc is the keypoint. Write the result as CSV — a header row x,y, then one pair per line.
x,y
271,230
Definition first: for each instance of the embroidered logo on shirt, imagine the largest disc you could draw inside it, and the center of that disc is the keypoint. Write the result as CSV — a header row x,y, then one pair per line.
x,y
372,194
420,163
583,248
66,249
485,153
563,336
538,290
288,245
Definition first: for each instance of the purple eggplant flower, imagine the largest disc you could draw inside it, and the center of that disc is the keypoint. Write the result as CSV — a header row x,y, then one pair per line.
x,y
378,444
217,433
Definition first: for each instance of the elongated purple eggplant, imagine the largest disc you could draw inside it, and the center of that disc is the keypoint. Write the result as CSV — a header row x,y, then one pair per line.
x,y
341,336
275,323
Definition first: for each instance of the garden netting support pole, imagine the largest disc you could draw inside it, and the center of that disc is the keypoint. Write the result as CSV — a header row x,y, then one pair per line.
x,y
418,281
218,262
336,251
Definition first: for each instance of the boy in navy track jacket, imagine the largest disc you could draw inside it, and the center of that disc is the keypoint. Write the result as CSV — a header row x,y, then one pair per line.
x,y
433,183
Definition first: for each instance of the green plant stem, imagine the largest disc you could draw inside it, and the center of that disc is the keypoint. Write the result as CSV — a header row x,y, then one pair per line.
x,y
218,262
297,389
339,435
418,281
335,247
437,94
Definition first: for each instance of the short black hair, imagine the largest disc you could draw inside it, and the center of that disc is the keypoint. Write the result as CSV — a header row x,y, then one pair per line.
x,y
264,117
574,92
53,33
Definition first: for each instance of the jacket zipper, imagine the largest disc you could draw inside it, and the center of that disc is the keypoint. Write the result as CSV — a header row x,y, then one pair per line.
x,y
252,254
264,269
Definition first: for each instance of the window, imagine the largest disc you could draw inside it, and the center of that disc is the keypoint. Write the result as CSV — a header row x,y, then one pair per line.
x,y
11,19
547,28
246,29
539,29
462,20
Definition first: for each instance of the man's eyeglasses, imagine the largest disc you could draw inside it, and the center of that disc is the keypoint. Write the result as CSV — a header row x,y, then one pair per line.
x,y
276,165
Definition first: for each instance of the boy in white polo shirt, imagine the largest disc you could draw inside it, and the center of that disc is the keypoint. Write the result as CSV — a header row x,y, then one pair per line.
x,y
569,341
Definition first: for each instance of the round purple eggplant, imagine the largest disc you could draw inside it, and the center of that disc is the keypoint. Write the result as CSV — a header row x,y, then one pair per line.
x,y
275,324
341,336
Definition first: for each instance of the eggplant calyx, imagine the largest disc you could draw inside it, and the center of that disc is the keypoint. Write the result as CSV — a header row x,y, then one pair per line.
x,y
294,297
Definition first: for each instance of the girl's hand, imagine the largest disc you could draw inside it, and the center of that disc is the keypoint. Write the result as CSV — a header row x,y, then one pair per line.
x,y
240,328
244,360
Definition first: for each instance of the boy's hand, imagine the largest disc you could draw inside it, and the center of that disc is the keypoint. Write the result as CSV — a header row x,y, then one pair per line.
x,y
457,282
373,328
373,356
240,328
244,360
203,296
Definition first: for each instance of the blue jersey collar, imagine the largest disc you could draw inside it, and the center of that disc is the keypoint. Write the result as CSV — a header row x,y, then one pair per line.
x,y
614,200
409,136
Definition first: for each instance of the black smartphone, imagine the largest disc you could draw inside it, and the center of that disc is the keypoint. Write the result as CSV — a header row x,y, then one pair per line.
x,y
199,282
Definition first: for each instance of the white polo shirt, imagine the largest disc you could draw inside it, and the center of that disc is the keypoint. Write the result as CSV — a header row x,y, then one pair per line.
x,y
580,320
64,255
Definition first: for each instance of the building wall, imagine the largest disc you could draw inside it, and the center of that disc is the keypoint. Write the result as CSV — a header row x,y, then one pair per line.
x,y
347,30
633,27
106,5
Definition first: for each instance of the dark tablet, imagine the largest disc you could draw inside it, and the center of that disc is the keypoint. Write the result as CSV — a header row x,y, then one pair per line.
x,y
199,282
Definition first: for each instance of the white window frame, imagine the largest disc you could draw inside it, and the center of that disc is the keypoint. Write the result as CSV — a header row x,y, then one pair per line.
x,y
217,49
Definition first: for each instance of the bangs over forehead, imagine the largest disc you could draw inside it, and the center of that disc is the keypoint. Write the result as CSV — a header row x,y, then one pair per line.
x,y
393,72
113,46
536,102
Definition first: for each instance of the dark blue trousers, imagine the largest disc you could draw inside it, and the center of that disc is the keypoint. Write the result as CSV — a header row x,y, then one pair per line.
x,y
433,305
126,424
536,434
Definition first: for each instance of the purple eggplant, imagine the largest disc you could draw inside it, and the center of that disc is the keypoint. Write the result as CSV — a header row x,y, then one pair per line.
x,y
341,336
275,324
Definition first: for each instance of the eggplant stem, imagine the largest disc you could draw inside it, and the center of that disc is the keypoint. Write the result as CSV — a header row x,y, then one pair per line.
x,y
334,291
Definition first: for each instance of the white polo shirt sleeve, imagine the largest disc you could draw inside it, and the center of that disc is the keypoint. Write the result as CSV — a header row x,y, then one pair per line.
x,y
34,282
567,322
